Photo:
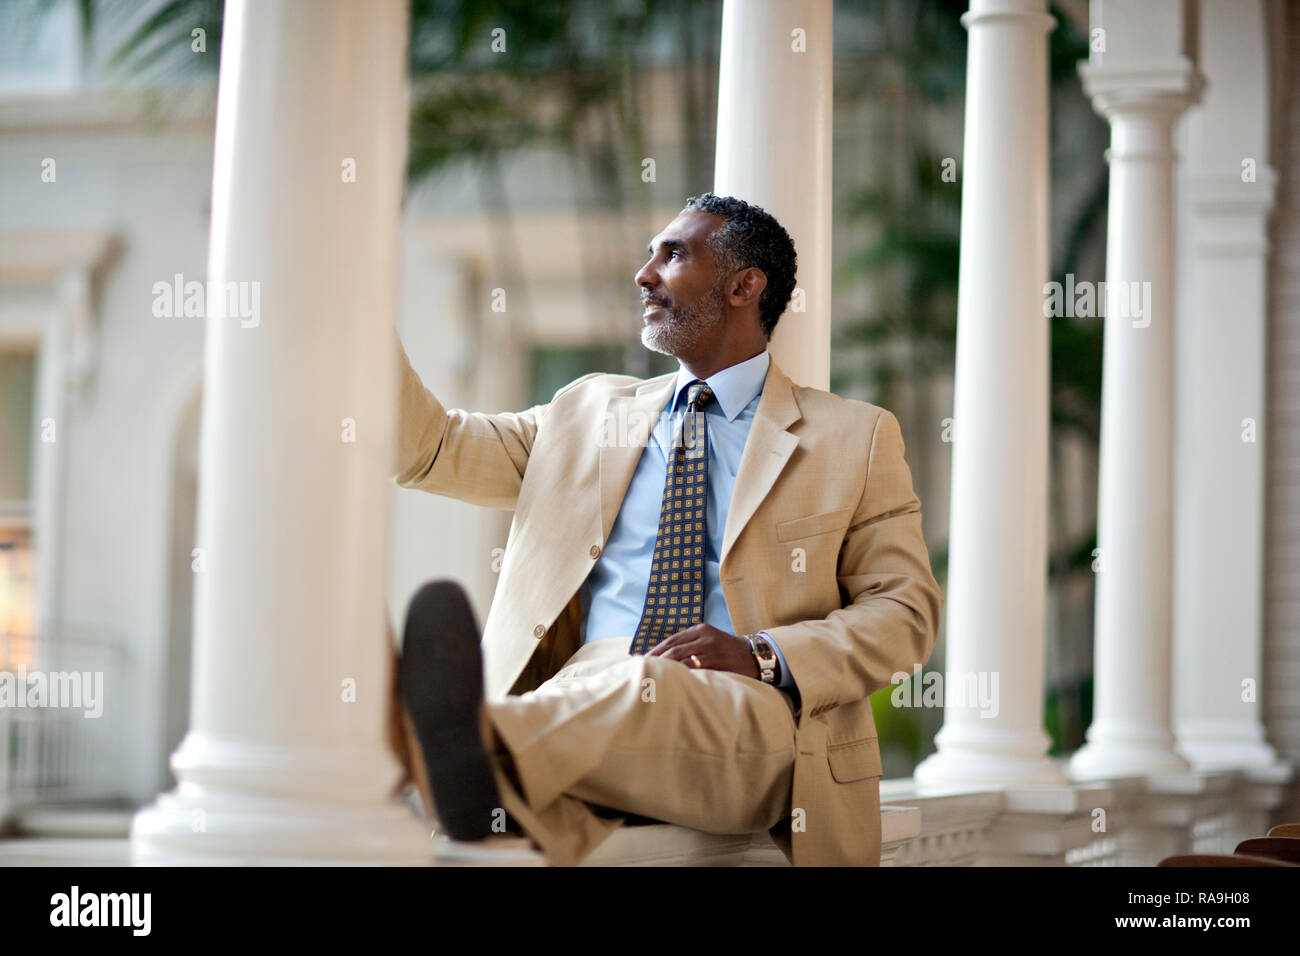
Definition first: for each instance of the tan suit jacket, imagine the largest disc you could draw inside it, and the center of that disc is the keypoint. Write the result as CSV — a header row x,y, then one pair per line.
x,y
822,549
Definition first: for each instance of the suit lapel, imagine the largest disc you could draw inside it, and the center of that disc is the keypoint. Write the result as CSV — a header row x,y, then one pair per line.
x,y
767,450
628,423
630,419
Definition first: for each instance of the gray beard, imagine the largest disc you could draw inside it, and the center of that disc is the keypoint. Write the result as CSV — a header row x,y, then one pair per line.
x,y
681,331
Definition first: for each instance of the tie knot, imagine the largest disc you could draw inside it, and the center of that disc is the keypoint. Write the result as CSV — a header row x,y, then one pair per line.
x,y
698,394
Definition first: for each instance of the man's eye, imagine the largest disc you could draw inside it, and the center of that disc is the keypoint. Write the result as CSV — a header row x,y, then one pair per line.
x,y
673,253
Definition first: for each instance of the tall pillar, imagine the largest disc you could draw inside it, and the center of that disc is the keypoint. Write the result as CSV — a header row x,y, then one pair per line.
x,y
774,149
72,292
1141,82
65,360
997,552
286,756
1219,501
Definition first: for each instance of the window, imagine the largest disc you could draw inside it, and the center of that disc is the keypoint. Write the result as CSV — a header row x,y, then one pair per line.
x,y
17,611
17,398
39,49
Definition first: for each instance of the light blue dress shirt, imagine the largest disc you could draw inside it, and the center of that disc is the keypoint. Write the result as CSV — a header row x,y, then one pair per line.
x,y
614,593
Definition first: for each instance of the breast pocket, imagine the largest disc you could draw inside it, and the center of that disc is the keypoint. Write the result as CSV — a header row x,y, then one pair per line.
x,y
807,527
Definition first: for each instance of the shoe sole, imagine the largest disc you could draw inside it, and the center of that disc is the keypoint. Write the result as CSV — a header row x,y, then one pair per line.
x,y
442,686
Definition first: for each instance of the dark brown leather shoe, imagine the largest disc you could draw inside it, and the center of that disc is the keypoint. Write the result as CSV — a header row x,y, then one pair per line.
x,y
441,677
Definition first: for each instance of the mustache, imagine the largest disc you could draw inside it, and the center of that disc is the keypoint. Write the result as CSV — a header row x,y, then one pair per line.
x,y
653,300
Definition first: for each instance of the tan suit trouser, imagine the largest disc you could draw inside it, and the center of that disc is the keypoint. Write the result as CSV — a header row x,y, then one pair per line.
x,y
649,736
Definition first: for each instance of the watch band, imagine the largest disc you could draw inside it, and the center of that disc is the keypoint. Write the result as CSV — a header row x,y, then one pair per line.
x,y
764,656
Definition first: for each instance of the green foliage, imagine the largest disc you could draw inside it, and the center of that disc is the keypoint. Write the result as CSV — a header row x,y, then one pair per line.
x,y
914,224
158,45
899,732
1067,712
480,70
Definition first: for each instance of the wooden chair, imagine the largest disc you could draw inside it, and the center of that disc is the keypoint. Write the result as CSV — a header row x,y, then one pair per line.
x,y
1220,859
1274,848
1286,830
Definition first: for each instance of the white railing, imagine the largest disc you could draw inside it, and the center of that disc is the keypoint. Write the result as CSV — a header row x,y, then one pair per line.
x,y
61,721
1135,821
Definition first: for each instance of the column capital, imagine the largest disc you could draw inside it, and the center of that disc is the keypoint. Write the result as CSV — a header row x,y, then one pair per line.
x,y
1021,13
1167,85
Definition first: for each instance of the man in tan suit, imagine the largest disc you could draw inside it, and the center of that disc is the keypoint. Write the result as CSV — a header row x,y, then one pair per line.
x,y
648,656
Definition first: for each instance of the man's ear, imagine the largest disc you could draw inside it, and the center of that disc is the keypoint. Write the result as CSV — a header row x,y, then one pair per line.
x,y
747,286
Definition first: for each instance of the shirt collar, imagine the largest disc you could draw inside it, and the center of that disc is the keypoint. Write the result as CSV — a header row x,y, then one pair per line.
x,y
733,387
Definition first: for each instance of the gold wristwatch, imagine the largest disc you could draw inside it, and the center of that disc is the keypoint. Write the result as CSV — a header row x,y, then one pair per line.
x,y
765,656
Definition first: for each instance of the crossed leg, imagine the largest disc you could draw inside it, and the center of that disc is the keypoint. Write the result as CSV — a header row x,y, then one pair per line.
x,y
649,736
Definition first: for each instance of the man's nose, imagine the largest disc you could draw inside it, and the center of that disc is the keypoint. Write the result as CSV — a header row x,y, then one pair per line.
x,y
644,278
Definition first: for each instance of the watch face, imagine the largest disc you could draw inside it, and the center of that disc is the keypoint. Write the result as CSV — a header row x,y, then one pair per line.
x,y
764,649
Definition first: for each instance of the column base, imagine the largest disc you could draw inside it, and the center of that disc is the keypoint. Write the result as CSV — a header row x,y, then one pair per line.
x,y
197,826
241,803
1109,755
1211,745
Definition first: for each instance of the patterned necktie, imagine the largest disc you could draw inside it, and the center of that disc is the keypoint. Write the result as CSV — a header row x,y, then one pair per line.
x,y
675,599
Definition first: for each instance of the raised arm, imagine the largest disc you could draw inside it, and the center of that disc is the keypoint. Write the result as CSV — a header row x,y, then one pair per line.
x,y
473,456
892,619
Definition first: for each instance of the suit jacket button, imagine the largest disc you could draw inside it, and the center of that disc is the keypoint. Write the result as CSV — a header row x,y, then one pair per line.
x,y
538,631
595,551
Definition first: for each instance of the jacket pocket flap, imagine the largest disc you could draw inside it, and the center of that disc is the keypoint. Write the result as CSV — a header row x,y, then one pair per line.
x,y
854,760
812,524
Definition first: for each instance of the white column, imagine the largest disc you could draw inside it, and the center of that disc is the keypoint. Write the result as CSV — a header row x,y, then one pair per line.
x,y
72,290
997,552
774,149
1219,501
65,362
1140,83
286,757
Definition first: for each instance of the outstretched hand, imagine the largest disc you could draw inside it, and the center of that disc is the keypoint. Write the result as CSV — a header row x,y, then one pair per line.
x,y
714,649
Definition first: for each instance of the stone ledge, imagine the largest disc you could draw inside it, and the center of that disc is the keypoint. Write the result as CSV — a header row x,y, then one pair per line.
x,y
664,844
